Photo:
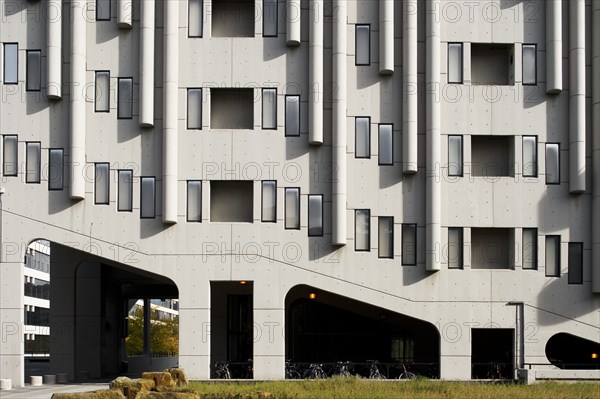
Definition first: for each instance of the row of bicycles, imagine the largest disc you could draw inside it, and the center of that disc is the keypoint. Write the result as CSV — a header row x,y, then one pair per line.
x,y
297,371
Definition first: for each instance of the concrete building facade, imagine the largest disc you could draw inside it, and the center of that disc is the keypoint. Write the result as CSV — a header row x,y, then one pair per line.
x,y
317,180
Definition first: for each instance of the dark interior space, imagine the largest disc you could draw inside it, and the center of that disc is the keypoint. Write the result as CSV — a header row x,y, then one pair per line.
x,y
568,351
492,353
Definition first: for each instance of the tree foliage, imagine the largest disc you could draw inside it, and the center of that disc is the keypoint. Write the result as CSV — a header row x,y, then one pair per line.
x,y
164,334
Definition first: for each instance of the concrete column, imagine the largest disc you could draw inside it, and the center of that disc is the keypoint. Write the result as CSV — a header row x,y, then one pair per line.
x,y
386,37
269,332
315,72
339,124
409,86
78,105
170,109
147,327
577,96
12,363
293,22
147,63
124,14
433,179
596,146
54,70
553,46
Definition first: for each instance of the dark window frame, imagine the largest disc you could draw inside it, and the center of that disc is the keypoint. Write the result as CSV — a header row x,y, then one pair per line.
x,y
262,109
96,91
62,168
535,66
379,219
299,115
298,208
142,178
107,183
415,246
546,164
356,27
262,217
461,66
187,201
462,156
16,82
201,20
368,249
558,255
461,248
379,144
322,215
119,117
276,19
187,108
4,172
356,118
535,259
535,174
119,190
27,77
39,165
109,11
571,279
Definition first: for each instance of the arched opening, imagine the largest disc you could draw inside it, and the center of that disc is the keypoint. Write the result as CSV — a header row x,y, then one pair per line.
x,y
107,318
567,351
322,327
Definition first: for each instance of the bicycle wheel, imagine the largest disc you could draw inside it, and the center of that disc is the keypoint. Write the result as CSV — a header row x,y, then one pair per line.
x,y
407,376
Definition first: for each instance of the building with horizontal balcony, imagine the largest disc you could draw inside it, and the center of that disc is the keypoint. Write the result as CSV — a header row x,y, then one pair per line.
x,y
412,182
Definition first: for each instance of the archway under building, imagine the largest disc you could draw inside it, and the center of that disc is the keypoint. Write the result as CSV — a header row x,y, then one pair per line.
x,y
567,351
323,327
108,318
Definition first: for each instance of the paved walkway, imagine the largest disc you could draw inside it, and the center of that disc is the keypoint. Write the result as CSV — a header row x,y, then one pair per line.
x,y
46,391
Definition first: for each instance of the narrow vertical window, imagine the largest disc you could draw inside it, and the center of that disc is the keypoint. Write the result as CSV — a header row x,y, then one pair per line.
x,y
195,18
409,244
270,18
530,156
101,183
147,197
386,144
455,247
363,44
529,64
292,208
10,157
455,63
552,163
11,63
194,201
102,92
575,263
33,162
386,237
56,168
315,215
362,230
530,258
194,108
269,108
33,77
125,191
292,115
362,128
269,201
125,98
552,256
102,10
455,155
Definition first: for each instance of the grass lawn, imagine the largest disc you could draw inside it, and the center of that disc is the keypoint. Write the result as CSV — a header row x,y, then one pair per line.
x,y
357,388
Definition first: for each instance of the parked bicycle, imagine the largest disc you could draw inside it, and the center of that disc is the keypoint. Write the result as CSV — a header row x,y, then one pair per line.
x,y
315,371
374,373
290,371
341,369
405,374
222,371
494,371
